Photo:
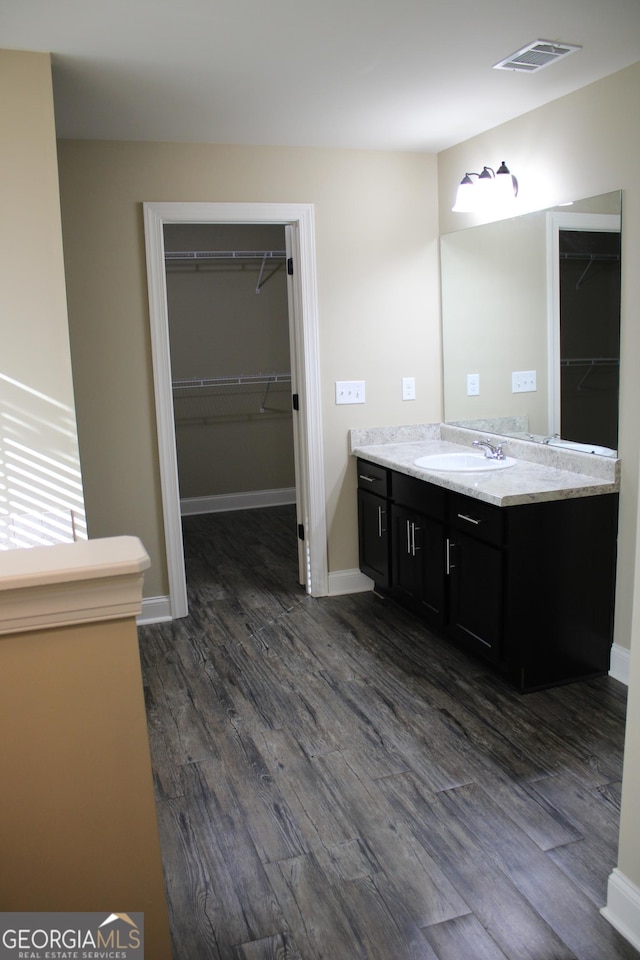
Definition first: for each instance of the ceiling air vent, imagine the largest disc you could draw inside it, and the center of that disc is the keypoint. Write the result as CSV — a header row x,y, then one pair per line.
x,y
536,55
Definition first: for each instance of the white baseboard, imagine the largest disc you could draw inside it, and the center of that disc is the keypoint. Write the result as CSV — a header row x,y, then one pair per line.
x,y
219,503
623,907
158,609
348,581
619,663
154,610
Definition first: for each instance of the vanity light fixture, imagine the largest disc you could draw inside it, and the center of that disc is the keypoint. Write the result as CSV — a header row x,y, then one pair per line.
x,y
492,191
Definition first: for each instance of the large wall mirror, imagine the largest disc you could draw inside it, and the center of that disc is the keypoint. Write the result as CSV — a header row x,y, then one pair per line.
x,y
531,323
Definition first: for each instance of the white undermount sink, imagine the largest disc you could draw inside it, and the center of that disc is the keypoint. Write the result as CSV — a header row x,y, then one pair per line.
x,y
463,463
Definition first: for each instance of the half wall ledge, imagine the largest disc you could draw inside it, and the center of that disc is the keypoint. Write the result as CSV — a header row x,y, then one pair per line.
x,y
71,583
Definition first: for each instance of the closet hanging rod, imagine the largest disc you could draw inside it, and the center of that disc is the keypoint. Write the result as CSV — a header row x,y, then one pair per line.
x,y
203,255
610,257
590,362
257,379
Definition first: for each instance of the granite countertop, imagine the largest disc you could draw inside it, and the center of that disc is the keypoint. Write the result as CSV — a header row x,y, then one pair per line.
x,y
557,475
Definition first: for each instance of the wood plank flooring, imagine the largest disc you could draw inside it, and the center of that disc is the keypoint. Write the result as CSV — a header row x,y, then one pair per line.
x,y
333,782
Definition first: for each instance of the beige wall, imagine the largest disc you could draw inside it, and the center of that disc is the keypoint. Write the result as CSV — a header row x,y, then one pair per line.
x,y
586,144
78,824
376,238
39,462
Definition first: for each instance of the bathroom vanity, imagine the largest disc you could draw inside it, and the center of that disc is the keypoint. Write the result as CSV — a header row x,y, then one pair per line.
x,y
516,566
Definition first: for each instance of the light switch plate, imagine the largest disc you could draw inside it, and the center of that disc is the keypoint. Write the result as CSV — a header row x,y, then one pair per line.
x,y
523,381
349,391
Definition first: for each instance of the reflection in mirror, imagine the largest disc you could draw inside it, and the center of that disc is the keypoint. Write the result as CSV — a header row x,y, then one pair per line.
x,y
531,313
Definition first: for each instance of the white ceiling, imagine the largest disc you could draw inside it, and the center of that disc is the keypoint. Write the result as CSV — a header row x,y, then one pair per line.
x,y
372,74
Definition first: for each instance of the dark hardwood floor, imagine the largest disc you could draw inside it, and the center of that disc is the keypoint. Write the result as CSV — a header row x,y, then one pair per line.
x,y
335,783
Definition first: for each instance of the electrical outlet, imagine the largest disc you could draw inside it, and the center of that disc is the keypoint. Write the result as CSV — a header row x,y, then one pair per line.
x,y
523,381
408,388
349,391
473,384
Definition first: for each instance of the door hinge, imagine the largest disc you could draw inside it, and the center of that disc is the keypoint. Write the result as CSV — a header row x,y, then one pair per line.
x,y
290,266
295,400
300,531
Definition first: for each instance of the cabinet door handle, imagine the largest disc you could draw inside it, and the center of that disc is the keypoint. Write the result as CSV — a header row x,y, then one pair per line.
x,y
463,516
414,549
381,513
363,476
448,548
411,538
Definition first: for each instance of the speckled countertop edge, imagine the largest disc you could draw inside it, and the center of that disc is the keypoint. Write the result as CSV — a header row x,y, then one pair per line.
x,y
526,482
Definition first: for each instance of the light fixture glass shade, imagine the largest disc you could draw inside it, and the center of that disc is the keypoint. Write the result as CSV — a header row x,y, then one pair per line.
x,y
506,185
466,195
490,192
485,189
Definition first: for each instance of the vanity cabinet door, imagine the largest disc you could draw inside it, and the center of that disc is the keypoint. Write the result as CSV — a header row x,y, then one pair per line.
x,y
418,563
373,537
373,522
475,567
475,575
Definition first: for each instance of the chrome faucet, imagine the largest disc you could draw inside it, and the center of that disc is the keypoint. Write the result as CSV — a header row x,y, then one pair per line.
x,y
491,451
554,436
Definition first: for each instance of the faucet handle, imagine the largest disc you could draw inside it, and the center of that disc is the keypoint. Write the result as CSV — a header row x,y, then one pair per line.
x,y
500,454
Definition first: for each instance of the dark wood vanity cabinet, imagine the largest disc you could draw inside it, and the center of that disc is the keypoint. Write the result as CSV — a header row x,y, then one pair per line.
x,y
529,588
560,589
373,522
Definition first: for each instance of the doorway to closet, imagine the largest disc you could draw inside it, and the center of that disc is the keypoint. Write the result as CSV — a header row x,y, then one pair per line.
x,y
297,223
230,365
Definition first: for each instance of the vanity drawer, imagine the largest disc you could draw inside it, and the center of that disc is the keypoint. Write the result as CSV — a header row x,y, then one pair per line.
x,y
373,478
420,495
476,518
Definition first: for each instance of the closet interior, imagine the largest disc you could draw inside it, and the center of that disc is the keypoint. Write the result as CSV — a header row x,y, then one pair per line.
x,y
230,364
590,335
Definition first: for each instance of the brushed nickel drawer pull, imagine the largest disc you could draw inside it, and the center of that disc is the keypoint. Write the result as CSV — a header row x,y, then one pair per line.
x,y
362,476
449,565
463,516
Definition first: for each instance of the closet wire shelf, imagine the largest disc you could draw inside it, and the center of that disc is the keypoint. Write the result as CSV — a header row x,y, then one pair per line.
x,y
200,400
257,259
601,372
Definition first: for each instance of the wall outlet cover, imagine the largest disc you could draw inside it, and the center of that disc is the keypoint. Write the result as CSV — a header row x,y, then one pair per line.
x,y
408,388
473,384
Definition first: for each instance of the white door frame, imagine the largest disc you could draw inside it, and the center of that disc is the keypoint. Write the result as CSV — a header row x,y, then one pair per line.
x,y
298,219
557,221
